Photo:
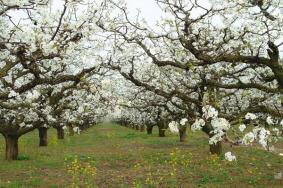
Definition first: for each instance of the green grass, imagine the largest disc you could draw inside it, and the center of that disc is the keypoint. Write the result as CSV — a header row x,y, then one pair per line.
x,y
129,158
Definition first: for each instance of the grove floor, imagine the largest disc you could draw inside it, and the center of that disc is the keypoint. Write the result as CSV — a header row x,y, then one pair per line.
x,y
113,156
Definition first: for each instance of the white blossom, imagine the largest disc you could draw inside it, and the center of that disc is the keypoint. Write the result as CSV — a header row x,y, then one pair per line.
x,y
12,93
220,124
198,124
22,124
77,130
250,116
33,95
183,121
248,138
230,157
269,120
173,126
242,127
209,112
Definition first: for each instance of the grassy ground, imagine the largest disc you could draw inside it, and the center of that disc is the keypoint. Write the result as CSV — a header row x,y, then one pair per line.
x,y
113,156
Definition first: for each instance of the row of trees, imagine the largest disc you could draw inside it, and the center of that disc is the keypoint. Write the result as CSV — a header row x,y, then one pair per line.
x,y
47,76
213,63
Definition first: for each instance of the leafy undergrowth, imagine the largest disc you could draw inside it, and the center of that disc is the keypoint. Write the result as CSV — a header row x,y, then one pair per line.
x,y
114,156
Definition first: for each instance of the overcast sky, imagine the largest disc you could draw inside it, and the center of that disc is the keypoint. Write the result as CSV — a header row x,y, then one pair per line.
x,y
149,9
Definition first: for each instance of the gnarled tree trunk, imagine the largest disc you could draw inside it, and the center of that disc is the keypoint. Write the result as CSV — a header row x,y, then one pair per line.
x,y
161,131
182,133
60,133
149,129
142,128
216,148
42,132
137,127
12,149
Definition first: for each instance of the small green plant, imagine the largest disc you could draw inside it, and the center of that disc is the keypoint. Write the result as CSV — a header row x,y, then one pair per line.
x,y
23,158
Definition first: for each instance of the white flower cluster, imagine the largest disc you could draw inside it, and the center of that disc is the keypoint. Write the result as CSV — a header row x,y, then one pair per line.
x,y
12,94
248,138
198,124
250,116
263,136
220,127
32,95
260,134
209,112
269,120
183,121
230,157
242,127
173,126
23,125
77,130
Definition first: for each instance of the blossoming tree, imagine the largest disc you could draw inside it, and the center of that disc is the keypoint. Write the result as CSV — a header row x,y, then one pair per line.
x,y
210,56
36,46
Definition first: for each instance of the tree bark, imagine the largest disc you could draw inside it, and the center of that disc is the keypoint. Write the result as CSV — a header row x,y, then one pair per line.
x,y
182,133
12,149
142,128
216,148
137,127
42,132
149,129
161,132
60,133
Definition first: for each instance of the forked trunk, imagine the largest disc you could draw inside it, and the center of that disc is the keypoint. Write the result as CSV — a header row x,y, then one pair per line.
x,y
216,148
12,149
42,132
60,133
182,134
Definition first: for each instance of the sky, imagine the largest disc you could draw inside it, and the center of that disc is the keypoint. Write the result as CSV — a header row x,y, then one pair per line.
x,y
149,9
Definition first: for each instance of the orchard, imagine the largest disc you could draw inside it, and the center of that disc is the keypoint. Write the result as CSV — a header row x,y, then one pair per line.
x,y
199,82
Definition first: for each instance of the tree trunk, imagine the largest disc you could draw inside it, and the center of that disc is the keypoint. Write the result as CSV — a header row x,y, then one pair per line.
x,y
137,127
149,129
12,149
216,148
42,132
161,132
182,134
60,133
71,131
142,128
